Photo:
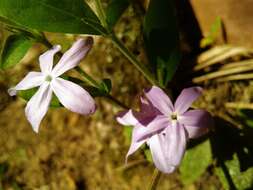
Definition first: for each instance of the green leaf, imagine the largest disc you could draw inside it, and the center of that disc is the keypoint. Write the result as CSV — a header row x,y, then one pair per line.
x,y
114,10
106,85
127,132
15,48
195,162
161,37
148,155
63,16
242,180
213,33
27,94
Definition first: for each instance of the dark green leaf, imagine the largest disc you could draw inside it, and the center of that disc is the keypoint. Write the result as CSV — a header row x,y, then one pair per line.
x,y
15,48
106,85
114,10
63,16
195,162
161,37
3,169
27,94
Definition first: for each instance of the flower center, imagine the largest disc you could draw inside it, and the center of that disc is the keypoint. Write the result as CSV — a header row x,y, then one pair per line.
x,y
173,116
48,78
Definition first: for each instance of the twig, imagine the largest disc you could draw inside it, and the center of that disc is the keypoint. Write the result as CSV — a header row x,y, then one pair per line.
x,y
155,179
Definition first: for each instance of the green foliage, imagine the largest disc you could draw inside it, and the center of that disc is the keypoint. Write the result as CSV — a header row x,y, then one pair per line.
x,y
148,155
63,16
15,48
211,37
195,162
247,116
115,10
3,169
242,180
106,86
128,133
27,94
161,37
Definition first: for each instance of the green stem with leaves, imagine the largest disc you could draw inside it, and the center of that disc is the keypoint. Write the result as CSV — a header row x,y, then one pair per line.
x,y
132,58
122,48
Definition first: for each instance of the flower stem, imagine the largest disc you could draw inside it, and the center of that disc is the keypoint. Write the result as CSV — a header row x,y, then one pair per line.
x,y
87,77
155,179
132,58
117,102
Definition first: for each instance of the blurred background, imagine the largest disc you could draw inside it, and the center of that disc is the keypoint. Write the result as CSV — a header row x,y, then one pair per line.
x,y
72,152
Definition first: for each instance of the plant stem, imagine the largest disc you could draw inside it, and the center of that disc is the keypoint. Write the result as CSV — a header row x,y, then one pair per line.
x,y
147,74
155,179
87,78
116,101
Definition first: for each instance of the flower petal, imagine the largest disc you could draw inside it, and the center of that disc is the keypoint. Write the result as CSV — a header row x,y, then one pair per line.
x,y
174,141
133,147
73,97
186,98
158,155
73,56
47,59
126,118
195,132
155,126
196,122
31,80
159,100
38,105
168,147
142,118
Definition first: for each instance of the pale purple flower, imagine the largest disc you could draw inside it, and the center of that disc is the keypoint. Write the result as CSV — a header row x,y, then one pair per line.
x,y
71,96
166,127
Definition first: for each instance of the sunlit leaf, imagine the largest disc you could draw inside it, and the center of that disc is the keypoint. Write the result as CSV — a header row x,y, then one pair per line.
x,y
63,16
161,37
242,180
213,33
195,162
15,48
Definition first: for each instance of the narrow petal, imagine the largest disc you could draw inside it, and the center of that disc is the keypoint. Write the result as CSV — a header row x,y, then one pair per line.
x,y
47,59
198,118
155,126
73,56
186,98
159,100
196,122
174,143
195,132
31,80
126,118
38,105
73,97
158,155
142,118
134,146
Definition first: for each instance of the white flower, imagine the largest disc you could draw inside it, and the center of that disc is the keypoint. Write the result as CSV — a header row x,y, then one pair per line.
x,y
71,96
